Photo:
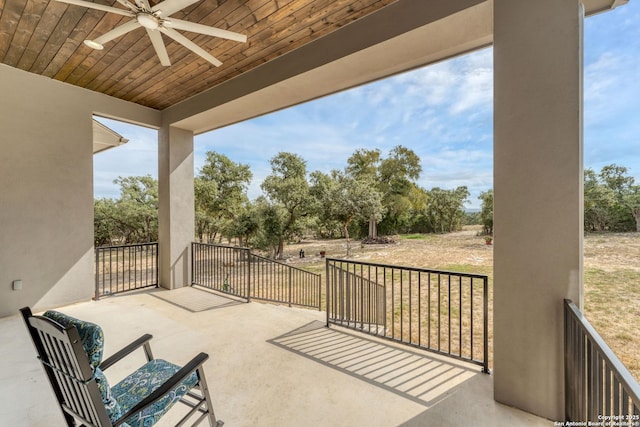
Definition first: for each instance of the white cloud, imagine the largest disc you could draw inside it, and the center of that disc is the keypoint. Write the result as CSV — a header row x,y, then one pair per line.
x,y
432,84
476,91
599,79
612,90
137,157
457,85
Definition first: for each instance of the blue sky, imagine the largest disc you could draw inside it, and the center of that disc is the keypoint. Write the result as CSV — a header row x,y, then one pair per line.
x,y
443,112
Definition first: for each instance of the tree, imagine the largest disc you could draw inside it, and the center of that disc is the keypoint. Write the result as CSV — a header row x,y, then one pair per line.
x,y
364,163
105,232
138,208
245,225
628,195
271,220
394,177
321,187
220,192
204,191
632,201
599,203
288,186
132,218
397,175
414,220
486,212
343,198
611,200
446,209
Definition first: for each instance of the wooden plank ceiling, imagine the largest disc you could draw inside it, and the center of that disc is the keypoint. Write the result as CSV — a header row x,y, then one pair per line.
x,y
46,37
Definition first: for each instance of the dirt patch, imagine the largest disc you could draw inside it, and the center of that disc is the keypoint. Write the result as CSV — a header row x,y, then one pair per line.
x,y
614,251
608,252
427,251
611,262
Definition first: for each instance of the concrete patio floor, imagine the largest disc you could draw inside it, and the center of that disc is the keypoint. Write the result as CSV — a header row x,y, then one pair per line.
x,y
269,366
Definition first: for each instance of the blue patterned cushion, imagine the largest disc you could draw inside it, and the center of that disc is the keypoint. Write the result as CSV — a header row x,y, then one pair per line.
x,y
142,383
90,334
114,410
92,339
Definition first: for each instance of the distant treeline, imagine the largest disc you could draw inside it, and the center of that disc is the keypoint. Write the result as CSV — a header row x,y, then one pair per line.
x,y
611,200
371,195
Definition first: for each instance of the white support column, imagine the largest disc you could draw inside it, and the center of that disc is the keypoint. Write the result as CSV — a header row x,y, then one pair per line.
x,y
538,176
176,206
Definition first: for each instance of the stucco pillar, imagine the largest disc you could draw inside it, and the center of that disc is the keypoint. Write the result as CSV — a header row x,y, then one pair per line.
x,y
538,177
176,206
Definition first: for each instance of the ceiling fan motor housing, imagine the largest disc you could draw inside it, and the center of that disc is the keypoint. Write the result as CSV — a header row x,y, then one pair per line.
x,y
148,20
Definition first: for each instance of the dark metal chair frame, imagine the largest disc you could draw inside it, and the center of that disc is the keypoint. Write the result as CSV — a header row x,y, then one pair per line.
x,y
70,374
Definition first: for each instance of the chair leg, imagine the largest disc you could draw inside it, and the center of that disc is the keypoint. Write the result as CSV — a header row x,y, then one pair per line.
x,y
205,393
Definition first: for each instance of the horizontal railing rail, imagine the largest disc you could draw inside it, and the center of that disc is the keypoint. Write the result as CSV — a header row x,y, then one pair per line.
x,y
598,387
239,272
125,268
440,311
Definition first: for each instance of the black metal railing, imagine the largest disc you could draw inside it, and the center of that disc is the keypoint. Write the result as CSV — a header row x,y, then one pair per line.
x,y
125,268
278,282
221,268
440,311
239,272
598,387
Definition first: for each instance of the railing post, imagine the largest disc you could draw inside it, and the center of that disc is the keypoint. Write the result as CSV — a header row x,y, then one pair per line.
x,y
248,254
121,268
97,275
290,287
384,300
485,366
193,263
157,246
319,292
326,295
568,372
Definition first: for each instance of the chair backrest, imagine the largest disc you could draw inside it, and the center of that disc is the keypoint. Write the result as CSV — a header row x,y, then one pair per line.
x,y
69,369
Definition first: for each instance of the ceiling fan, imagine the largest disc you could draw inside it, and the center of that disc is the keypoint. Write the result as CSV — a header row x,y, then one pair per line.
x,y
155,20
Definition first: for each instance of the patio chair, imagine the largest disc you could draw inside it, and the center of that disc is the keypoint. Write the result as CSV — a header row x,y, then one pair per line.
x,y
71,354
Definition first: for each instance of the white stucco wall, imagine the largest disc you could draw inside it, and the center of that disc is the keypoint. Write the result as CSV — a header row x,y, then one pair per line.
x,y
176,206
46,187
538,199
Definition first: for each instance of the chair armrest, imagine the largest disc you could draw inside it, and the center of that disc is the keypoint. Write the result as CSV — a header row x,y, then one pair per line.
x,y
166,387
116,357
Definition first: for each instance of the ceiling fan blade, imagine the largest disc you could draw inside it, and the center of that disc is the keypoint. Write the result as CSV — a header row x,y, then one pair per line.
x,y
179,24
97,6
158,45
143,4
169,7
190,45
117,32
128,4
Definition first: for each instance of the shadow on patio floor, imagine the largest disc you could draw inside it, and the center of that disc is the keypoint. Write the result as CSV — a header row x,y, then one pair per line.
x,y
195,299
418,376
